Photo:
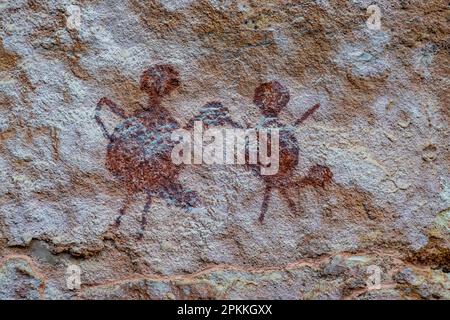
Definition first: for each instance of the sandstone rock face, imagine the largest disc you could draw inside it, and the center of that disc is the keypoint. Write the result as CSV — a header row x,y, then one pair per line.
x,y
362,213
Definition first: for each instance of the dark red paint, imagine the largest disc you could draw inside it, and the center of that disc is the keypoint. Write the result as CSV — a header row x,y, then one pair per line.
x,y
272,98
139,151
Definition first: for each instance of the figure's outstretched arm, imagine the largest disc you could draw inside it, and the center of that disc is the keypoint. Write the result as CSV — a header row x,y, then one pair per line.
x,y
307,114
113,107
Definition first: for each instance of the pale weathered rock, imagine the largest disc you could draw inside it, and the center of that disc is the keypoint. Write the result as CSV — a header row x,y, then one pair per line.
x,y
371,186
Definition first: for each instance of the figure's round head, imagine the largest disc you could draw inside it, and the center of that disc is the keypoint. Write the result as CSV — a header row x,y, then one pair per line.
x,y
160,80
271,98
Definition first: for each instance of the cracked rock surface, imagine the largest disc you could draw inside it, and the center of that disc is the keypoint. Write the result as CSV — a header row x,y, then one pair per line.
x,y
380,137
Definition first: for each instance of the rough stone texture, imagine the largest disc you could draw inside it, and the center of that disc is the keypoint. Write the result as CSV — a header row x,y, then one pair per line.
x,y
382,131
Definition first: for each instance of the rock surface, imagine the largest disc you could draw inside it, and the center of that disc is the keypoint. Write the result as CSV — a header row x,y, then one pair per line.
x,y
382,133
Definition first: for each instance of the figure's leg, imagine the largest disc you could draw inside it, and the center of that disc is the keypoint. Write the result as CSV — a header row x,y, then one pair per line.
x,y
265,203
145,214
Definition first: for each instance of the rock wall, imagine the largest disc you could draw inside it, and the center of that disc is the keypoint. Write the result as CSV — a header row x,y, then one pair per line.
x,y
367,200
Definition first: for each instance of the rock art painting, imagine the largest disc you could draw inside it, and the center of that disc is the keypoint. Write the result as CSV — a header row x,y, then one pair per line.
x,y
184,150
271,98
139,149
